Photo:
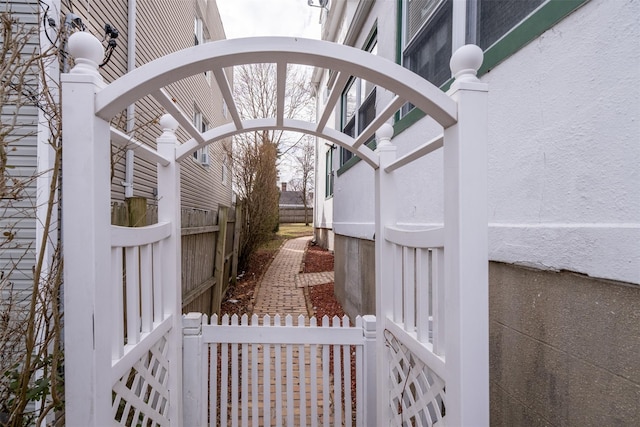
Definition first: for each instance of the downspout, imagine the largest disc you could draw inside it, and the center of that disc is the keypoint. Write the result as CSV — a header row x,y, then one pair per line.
x,y
131,109
46,240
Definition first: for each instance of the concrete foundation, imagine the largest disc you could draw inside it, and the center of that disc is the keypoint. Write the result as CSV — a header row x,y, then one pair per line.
x,y
564,347
324,238
355,275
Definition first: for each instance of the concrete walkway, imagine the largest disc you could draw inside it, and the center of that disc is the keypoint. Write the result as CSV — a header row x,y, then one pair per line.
x,y
281,289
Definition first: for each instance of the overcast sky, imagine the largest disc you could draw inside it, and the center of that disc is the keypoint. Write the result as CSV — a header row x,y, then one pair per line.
x,y
249,18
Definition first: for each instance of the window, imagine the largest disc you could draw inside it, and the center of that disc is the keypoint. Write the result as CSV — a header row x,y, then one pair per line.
x,y
225,169
328,183
198,30
201,154
200,37
428,27
428,30
358,105
488,21
428,40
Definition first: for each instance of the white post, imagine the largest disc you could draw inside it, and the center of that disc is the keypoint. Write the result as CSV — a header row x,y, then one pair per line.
x,y
385,204
169,210
86,239
193,374
466,263
369,355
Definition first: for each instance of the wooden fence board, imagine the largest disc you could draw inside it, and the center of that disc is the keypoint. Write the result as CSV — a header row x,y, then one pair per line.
x,y
202,288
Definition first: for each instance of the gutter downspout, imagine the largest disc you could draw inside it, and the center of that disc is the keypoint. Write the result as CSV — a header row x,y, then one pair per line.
x,y
131,109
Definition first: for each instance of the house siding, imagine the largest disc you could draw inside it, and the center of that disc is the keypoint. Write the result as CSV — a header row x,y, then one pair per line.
x,y
17,217
163,28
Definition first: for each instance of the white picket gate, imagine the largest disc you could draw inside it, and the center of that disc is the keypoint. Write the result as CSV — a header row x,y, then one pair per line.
x,y
123,332
261,372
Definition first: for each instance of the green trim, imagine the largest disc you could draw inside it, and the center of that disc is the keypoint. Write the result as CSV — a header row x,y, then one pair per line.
x,y
396,116
540,21
373,144
415,114
399,32
373,36
348,165
404,123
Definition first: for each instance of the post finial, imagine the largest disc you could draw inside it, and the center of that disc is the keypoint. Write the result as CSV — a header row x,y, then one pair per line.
x,y
87,51
168,123
465,62
384,134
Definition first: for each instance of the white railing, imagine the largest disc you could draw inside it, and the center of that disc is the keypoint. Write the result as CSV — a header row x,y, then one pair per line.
x,y
311,371
140,326
431,283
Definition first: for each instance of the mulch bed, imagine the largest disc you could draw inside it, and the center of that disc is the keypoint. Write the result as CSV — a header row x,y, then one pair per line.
x,y
317,260
239,297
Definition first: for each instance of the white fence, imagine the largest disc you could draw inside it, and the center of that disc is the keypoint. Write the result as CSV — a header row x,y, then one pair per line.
x,y
140,326
262,373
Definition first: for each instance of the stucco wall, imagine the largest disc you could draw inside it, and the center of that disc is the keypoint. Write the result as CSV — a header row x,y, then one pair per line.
x,y
564,182
564,194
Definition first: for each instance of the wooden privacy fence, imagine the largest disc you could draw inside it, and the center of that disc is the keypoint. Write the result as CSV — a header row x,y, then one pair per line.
x,y
209,249
262,373
295,214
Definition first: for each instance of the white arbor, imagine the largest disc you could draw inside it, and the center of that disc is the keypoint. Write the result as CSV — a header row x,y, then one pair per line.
x,y
432,296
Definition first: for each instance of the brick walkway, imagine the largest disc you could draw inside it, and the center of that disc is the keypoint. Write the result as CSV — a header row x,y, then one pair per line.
x,y
278,293
281,292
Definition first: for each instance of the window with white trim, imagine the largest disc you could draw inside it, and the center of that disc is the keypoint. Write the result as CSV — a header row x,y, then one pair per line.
x,y
225,109
198,31
200,36
225,169
358,105
200,123
328,184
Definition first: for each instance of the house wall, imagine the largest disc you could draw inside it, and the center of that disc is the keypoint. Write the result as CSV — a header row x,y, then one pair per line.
x,y
163,28
564,204
564,187
17,216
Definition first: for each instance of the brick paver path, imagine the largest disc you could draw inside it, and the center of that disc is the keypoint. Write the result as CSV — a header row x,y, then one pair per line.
x,y
278,293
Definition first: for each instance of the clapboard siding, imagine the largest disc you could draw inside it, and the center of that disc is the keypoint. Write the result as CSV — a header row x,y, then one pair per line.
x,y
163,28
17,223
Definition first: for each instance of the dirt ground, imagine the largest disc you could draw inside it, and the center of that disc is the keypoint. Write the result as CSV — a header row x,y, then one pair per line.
x,y
239,298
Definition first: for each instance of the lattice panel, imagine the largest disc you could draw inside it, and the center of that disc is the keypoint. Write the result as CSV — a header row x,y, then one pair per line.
x,y
141,397
417,395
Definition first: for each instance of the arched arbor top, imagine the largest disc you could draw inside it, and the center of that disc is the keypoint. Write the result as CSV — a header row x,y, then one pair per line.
x,y
347,62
